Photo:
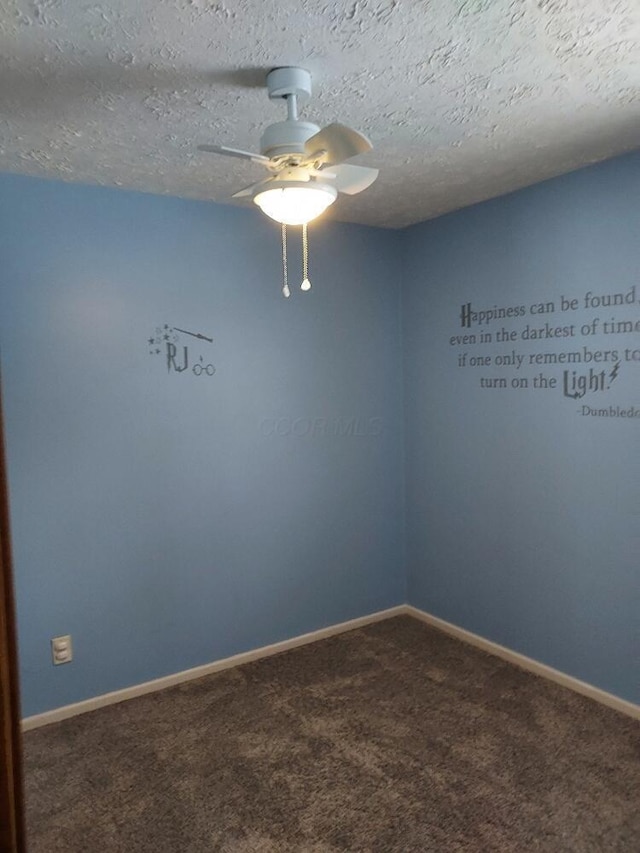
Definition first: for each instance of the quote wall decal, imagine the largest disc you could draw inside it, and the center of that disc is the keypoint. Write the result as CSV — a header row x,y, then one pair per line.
x,y
179,354
579,347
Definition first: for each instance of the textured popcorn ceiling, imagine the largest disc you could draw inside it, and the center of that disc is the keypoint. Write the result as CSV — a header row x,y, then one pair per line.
x,y
463,99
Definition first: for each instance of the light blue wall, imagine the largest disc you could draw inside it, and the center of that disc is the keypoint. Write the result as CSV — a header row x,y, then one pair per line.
x,y
166,520
523,519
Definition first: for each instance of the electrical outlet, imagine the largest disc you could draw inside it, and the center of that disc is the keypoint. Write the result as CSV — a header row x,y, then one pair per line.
x,y
61,650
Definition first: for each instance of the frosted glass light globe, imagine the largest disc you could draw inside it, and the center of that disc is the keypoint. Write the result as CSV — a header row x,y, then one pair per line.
x,y
295,205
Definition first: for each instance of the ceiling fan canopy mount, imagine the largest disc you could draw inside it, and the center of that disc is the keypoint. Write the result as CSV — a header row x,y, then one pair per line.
x,y
302,156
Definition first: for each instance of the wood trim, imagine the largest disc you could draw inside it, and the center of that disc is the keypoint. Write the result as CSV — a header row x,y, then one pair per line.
x,y
530,664
66,711
12,828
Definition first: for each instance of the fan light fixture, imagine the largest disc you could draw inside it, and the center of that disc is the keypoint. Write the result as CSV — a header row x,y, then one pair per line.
x,y
296,205
306,164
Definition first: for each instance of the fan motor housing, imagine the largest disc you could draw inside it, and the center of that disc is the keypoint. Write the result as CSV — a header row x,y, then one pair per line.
x,y
286,137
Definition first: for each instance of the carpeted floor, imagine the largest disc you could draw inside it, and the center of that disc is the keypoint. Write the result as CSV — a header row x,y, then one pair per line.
x,y
391,739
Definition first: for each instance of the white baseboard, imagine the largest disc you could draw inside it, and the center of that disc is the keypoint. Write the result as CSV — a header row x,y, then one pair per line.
x,y
66,711
524,662
531,665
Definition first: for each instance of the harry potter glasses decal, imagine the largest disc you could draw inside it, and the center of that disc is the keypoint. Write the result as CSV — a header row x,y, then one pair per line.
x,y
178,357
209,369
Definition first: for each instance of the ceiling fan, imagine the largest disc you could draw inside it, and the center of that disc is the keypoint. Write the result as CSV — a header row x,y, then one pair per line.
x,y
306,164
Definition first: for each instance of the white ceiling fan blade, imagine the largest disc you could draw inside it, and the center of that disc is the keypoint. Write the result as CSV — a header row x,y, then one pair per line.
x,y
251,189
336,143
234,152
352,179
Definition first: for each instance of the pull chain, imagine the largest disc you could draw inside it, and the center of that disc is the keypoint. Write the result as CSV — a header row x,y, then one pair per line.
x,y
306,284
285,278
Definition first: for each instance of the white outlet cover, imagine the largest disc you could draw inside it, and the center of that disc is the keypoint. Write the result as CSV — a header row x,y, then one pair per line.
x,y
61,650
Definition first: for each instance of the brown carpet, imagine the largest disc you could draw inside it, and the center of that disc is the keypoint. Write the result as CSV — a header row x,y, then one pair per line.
x,y
393,738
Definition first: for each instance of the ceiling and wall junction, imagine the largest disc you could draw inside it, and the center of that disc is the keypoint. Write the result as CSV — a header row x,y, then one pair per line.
x,y
463,100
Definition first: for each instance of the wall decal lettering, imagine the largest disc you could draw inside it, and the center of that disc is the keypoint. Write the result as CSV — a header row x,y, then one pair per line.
x,y
177,355
591,349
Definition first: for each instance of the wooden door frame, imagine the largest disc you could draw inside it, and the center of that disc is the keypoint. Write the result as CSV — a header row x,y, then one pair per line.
x,y
12,825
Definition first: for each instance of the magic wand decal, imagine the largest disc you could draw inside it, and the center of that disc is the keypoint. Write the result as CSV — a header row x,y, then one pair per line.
x,y
194,334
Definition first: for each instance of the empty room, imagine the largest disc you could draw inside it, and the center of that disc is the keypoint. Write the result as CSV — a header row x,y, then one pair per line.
x,y
320,384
